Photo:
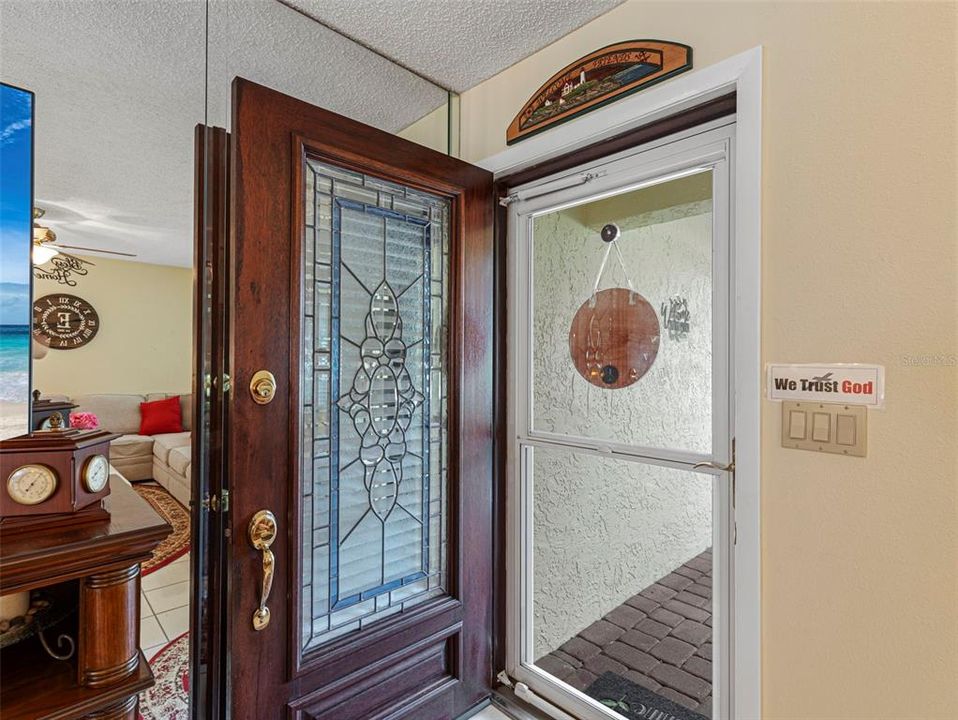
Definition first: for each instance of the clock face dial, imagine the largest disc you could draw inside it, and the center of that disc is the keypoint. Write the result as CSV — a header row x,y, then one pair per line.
x,y
31,484
64,322
96,473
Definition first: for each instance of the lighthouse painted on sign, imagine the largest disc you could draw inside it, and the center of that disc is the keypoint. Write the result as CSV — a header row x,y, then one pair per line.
x,y
598,78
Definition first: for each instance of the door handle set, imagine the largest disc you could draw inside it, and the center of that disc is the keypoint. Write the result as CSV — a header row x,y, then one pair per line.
x,y
262,533
262,526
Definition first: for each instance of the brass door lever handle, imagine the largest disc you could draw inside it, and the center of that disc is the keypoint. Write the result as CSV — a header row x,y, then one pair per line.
x,y
262,533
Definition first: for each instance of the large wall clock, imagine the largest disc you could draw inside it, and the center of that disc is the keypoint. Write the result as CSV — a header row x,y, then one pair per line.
x,y
64,322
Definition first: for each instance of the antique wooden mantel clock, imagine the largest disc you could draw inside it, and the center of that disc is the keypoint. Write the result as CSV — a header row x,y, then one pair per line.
x,y
54,477
72,537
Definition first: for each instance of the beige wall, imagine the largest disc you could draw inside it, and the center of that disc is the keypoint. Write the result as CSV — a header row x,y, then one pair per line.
x,y
431,130
860,574
145,338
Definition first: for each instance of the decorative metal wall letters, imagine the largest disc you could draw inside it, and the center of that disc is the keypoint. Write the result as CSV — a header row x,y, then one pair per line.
x,y
62,268
675,317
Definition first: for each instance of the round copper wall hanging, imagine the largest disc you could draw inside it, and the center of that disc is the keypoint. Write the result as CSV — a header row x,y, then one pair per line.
x,y
614,338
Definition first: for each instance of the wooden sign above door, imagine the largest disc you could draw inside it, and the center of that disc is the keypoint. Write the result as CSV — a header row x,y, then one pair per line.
x,y
598,78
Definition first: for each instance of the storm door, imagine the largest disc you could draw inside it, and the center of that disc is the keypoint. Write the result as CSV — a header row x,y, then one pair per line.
x,y
621,456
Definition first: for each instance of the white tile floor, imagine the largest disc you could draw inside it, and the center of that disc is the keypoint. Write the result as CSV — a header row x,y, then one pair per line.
x,y
164,605
490,713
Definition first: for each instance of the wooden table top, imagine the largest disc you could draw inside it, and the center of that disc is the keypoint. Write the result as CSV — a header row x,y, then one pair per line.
x,y
37,559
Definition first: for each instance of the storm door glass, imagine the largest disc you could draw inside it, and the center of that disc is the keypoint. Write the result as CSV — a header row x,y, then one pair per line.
x,y
622,496
375,279
666,248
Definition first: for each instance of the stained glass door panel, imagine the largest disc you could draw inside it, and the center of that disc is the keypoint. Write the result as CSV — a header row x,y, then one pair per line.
x,y
373,415
371,304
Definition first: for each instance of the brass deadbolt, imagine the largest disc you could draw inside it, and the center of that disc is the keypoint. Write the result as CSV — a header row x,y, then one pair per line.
x,y
262,387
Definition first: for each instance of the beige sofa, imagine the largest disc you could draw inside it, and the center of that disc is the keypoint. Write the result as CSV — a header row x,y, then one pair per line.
x,y
165,458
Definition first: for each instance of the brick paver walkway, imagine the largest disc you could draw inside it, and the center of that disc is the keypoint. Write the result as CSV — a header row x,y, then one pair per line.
x,y
660,639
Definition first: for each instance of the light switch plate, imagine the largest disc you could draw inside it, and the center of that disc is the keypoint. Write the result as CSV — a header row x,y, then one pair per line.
x,y
825,427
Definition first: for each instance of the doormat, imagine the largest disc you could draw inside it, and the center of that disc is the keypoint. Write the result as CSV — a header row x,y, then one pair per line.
x,y
636,702
169,698
177,543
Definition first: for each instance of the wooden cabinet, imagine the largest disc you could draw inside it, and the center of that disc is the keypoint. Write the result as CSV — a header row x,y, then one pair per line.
x,y
43,408
97,566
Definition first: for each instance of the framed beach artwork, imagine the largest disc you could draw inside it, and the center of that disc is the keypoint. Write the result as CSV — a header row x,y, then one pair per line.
x,y
16,241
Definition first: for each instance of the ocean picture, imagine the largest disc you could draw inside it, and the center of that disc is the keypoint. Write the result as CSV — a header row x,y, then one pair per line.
x,y
15,371
16,201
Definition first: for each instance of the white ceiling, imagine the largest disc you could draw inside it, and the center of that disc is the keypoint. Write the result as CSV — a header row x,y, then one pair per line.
x,y
117,94
455,43
120,85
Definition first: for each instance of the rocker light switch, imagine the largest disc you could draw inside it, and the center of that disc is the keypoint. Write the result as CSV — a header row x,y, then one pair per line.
x,y
821,426
796,427
825,427
845,430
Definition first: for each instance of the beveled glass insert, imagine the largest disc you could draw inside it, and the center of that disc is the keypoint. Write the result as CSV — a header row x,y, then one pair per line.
x,y
375,279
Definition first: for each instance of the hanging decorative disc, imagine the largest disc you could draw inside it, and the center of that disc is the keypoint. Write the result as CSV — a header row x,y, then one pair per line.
x,y
614,338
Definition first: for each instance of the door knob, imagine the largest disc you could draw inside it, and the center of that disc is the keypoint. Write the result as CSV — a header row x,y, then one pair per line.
x,y
262,387
262,533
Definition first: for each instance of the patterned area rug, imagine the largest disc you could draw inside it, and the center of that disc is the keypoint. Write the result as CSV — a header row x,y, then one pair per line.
x,y
169,699
177,543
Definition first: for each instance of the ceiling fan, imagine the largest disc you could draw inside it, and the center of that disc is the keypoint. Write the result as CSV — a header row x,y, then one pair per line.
x,y
45,246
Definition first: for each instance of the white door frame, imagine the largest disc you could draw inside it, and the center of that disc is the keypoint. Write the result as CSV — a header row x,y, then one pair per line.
x,y
741,74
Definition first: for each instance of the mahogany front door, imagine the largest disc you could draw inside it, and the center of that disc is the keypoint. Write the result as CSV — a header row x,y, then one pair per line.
x,y
360,420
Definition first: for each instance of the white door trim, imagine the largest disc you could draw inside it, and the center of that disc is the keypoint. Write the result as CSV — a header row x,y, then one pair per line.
x,y
742,74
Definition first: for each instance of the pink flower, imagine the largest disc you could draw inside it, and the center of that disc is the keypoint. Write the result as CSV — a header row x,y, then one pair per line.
x,y
84,421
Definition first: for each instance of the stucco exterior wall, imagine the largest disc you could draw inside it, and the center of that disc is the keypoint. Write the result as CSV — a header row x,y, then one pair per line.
x,y
606,529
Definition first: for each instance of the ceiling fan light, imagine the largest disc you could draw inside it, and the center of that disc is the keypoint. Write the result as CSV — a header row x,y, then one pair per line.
x,y
43,234
43,254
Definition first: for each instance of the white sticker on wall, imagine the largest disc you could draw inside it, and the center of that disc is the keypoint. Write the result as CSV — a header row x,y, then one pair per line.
x,y
837,383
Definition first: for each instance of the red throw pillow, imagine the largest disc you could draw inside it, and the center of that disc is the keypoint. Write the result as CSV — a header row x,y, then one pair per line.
x,y
161,416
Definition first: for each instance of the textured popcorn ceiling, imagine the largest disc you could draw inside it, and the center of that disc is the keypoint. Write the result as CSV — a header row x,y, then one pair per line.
x,y
456,43
120,86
